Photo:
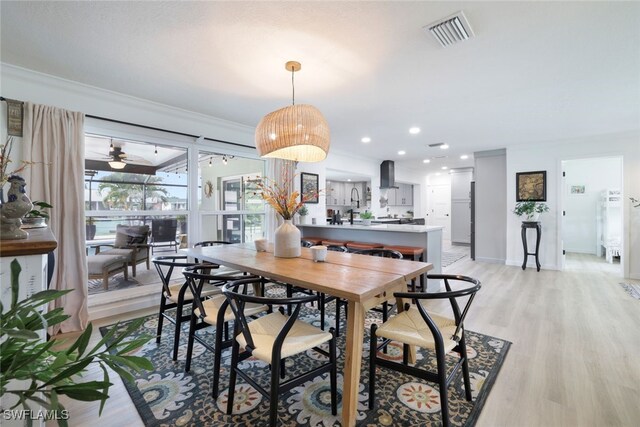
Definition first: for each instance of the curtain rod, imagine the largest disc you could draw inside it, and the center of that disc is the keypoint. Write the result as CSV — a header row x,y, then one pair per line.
x,y
2,98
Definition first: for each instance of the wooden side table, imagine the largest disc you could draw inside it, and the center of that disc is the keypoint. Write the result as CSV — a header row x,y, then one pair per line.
x,y
538,227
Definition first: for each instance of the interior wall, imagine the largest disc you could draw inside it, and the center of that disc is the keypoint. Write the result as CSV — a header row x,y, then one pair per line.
x,y
548,157
579,231
490,206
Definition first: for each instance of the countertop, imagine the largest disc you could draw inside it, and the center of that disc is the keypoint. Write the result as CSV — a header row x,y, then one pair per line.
x,y
403,228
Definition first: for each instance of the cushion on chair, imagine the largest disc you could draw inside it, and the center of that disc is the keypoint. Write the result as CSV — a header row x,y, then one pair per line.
x,y
357,246
212,306
130,235
97,263
409,327
188,296
407,250
301,337
126,253
333,242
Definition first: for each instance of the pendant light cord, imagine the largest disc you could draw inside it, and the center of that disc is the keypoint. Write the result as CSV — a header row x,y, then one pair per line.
x,y
293,87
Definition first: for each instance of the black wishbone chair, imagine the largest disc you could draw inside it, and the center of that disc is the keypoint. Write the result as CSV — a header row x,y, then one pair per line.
x,y
212,311
173,295
272,338
415,326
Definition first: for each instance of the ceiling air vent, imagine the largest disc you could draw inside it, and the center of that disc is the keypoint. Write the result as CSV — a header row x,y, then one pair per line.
x,y
450,30
437,144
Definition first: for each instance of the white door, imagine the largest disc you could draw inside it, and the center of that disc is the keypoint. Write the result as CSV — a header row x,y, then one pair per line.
x,y
439,211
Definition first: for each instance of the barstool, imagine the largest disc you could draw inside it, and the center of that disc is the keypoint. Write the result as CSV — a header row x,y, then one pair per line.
x,y
313,240
363,246
411,252
334,242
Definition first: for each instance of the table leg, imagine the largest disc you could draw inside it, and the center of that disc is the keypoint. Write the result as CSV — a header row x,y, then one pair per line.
x,y
538,237
524,246
352,363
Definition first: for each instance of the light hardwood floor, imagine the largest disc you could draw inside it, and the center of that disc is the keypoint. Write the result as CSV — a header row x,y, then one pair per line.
x,y
574,359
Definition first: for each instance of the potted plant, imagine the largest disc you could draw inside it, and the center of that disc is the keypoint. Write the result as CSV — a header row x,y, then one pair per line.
x,y
91,228
38,215
366,217
303,212
530,209
36,372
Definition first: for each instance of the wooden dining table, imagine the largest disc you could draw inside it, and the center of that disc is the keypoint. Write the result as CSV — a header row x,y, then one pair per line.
x,y
364,281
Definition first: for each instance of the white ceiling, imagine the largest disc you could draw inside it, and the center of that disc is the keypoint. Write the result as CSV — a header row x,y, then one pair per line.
x,y
534,71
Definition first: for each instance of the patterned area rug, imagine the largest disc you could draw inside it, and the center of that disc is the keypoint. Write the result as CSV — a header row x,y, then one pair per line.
x,y
170,397
632,289
116,282
449,258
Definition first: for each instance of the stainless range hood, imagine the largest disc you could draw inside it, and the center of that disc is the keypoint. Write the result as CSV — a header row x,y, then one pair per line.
x,y
387,175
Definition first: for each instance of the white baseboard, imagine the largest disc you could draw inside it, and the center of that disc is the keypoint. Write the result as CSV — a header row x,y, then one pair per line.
x,y
111,305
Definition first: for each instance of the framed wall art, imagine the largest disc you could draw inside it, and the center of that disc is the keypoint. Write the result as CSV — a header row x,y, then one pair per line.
x,y
309,186
578,189
531,186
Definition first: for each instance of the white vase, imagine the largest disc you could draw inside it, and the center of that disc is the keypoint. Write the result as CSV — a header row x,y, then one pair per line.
x,y
533,217
303,219
287,241
366,221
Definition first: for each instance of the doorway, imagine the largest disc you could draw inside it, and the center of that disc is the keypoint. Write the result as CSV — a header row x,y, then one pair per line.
x,y
439,208
592,215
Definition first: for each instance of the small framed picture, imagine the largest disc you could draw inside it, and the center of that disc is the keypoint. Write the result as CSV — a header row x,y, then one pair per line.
x,y
577,189
309,186
531,186
14,117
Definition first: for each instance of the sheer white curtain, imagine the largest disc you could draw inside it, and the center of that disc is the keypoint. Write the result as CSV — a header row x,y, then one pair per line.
x,y
54,141
276,169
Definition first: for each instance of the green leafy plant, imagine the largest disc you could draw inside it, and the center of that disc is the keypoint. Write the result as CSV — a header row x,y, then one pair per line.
x,y
36,373
303,211
636,202
530,208
38,210
366,215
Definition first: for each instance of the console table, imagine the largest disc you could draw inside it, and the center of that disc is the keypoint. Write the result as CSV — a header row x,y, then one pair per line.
x,y
538,227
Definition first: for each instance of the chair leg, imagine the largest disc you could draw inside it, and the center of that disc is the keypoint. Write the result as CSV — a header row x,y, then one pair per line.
x,y
232,376
176,336
338,317
192,335
133,268
385,315
282,369
322,298
373,344
442,382
465,368
333,374
273,393
163,302
217,356
105,279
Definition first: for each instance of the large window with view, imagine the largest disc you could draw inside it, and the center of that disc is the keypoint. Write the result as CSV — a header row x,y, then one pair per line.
x,y
138,189
230,208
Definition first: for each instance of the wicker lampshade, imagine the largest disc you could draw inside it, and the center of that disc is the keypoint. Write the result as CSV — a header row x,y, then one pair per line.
x,y
298,132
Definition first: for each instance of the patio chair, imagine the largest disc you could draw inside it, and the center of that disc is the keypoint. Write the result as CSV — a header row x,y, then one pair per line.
x,y
132,243
164,234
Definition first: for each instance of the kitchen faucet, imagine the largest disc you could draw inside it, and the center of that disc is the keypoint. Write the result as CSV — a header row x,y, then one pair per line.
x,y
357,200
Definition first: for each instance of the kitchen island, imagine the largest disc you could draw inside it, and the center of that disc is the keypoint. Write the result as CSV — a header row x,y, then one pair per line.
x,y
427,237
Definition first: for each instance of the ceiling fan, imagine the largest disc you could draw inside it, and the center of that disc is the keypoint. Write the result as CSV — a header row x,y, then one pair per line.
x,y
118,159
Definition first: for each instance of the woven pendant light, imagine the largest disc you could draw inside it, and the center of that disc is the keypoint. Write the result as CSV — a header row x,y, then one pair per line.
x,y
297,132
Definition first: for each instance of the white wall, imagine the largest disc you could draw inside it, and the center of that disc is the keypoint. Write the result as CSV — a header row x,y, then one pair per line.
x,y
491,206
548,156
580,223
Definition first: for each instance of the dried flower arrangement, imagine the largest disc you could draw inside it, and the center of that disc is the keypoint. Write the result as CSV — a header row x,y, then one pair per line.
x,y
282,197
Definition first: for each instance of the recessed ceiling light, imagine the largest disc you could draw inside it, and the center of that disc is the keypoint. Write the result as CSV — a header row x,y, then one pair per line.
x,y
464,157
444,168
414,130
402,152
426,161
444,146
366,140
438,173
349,179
